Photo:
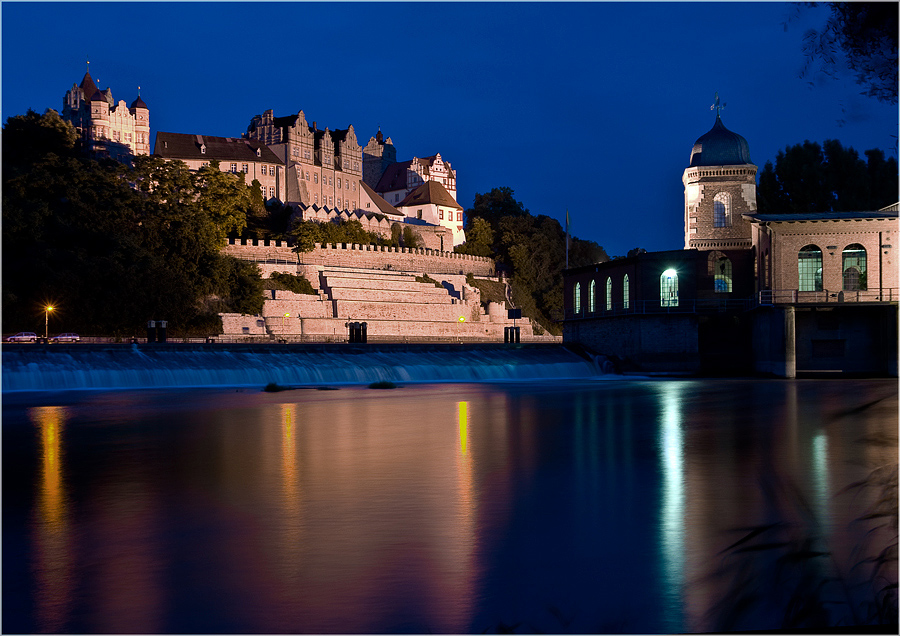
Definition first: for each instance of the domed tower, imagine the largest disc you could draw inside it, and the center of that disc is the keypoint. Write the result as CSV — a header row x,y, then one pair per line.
x,y
719,187
141,114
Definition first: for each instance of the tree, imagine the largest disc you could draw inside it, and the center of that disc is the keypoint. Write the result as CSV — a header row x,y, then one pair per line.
x,y
808,177
479,239
224,198
112,247
865,35
533,248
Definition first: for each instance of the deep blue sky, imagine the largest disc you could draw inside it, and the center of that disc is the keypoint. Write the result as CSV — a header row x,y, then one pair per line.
x,y
592,107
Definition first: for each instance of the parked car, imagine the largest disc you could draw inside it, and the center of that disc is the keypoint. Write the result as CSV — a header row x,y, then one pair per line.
x,y
65,337
23,336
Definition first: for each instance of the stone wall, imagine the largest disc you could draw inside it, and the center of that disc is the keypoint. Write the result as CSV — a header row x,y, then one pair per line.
x,y
374,257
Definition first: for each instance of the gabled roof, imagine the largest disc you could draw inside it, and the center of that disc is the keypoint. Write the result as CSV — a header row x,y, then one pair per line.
x,y
394,177
383,206
430,192
181,146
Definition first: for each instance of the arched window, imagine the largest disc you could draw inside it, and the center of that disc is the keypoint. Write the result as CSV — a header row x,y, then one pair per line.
x,y
722,271
722,210
809,263
625,292
854,267
609,294
577,298
668,288
592,297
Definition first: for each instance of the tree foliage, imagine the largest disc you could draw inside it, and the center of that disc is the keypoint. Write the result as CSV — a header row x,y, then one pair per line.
x,y
532,248
808,177
113,246
307,233
864,36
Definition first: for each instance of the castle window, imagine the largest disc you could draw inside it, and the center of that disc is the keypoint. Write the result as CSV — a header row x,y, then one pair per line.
x,y
608,293
271,192
234,167
854,267
264,169
722,210
668,288
418,214
339,182
577,298
245,168
441,214
592,297
625,293
315,177
316,199
809,264
307,175
459,216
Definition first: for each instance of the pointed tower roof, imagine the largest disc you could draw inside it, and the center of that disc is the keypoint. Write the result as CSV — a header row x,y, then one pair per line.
x,y
87,86
139,103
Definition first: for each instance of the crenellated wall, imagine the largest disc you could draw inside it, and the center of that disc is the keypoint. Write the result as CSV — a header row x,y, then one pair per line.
x,y
399,259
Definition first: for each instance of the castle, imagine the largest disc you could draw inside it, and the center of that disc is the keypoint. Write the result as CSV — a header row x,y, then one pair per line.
x,y
425,292
106,128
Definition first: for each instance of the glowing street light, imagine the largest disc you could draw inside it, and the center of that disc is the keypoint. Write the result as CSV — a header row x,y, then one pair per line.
x,y
282,321
47,311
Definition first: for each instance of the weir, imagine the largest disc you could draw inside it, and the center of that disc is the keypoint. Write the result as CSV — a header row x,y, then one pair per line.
x,y
127,366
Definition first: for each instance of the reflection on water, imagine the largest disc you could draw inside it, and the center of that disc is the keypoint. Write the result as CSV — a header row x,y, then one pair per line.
x,y
52,559
452,508
671,454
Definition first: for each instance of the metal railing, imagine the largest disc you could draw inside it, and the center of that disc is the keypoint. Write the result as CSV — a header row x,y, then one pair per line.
x,y
684,306
795,297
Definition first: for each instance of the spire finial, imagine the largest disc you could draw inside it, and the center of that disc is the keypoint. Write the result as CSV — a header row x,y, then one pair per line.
x,y
139,91
88,64
717,106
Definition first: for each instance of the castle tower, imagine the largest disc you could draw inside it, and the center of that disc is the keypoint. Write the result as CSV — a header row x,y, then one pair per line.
x,y
141,115
377,156
719,187
105,127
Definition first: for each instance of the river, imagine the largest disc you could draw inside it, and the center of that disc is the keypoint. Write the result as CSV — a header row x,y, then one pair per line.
x,y
585,506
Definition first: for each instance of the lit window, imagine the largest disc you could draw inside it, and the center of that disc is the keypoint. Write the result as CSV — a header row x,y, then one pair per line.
x,y
720,267
625,293
809,265
854,267
592,297
577,298
668,288
264,169
609,294
722,210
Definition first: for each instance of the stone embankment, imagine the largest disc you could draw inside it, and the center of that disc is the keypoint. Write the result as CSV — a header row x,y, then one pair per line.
x,y
384,287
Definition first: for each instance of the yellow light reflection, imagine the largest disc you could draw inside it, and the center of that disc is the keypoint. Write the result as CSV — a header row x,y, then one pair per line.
x,y
53,557
463,408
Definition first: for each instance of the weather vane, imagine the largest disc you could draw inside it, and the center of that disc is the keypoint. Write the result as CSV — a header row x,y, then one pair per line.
x,y
717,106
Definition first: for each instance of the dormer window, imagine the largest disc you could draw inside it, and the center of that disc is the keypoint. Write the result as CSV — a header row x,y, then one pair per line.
x,y
202,149
258,152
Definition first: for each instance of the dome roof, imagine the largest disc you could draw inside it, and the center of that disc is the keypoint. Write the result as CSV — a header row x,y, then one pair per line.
x,y
720,147
139,103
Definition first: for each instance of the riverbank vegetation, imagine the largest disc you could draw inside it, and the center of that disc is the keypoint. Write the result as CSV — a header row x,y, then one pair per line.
x,y
112,246
531,249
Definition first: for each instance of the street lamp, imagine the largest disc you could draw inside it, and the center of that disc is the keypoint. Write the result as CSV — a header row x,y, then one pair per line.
x,y
47,311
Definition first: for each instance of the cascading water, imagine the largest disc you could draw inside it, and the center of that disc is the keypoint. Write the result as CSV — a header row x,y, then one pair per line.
x,y
37,368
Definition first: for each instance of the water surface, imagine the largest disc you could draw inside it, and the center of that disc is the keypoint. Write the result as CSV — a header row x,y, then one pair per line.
x,y
595,507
